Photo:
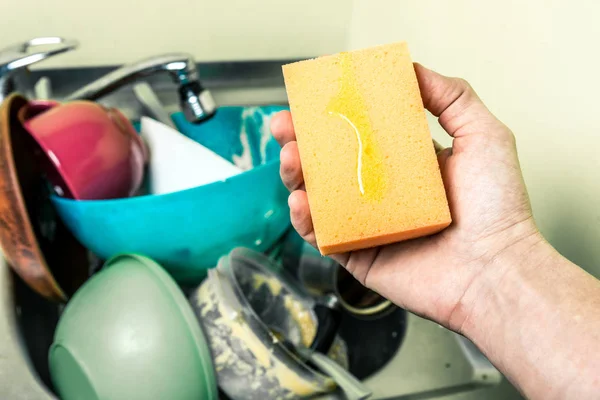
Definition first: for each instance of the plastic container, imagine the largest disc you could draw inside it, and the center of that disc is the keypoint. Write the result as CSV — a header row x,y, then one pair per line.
x,y
243,306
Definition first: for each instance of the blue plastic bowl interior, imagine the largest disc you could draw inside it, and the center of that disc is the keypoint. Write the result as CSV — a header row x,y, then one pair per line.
x,y
187,231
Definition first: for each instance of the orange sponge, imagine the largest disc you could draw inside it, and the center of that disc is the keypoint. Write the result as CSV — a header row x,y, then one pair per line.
x,y
369,164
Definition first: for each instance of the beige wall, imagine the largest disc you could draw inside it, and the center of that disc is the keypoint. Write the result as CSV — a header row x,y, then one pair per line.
x,y
118,31
536,64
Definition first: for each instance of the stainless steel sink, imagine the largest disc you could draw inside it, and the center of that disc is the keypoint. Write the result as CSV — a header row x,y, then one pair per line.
x,y
430,362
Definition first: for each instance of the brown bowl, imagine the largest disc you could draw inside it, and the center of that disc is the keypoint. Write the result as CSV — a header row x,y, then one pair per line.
x,y
34,241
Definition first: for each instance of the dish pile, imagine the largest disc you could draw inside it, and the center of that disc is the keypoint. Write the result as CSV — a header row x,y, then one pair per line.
x,y
121,222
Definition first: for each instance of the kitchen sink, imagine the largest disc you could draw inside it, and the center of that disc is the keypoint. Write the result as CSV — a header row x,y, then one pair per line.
x,y
399,355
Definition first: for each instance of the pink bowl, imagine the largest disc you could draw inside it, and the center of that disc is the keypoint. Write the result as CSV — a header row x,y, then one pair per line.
x,y
91,152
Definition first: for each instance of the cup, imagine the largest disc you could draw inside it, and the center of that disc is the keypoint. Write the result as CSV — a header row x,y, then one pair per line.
x,y
89,152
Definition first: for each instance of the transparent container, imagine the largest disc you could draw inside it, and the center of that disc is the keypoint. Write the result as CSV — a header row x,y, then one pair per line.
x,y
244,307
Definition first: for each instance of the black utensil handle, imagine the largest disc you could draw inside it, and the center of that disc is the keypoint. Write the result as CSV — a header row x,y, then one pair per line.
x,y
329,320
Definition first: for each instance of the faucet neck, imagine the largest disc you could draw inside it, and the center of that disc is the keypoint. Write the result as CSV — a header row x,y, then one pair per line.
x,y
196,102
179,66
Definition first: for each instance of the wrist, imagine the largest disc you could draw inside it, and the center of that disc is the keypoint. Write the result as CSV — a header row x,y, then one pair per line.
x,y
498,280
528,303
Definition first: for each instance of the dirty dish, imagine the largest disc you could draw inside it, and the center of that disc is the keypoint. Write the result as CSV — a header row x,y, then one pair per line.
x,y
244,308
34,241
187,231
178,162
321,275
130,334
91,152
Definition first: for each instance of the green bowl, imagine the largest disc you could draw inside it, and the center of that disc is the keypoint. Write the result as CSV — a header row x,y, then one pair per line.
x,y
129,333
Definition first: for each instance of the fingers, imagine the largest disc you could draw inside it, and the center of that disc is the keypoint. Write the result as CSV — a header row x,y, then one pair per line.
x,y
300,216
290,168
302,223
291,175
454,102
282,128
359,263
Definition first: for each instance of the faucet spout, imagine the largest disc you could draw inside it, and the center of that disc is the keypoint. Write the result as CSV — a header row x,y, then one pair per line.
x,y
196,102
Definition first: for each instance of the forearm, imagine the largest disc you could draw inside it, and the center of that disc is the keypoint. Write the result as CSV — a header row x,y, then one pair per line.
x,y
537,318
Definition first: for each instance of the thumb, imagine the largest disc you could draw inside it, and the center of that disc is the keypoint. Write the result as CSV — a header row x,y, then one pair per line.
x,y
460,111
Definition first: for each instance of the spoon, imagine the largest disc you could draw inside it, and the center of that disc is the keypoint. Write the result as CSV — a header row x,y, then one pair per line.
x,y
353,388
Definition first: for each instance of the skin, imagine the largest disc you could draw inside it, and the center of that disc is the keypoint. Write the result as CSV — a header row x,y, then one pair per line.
x,y
491,276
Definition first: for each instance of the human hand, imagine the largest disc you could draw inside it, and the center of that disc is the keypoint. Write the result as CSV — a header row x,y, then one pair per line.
x,y
437,276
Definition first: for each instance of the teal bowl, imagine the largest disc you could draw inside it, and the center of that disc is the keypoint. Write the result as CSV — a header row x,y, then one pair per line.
x,y
187,231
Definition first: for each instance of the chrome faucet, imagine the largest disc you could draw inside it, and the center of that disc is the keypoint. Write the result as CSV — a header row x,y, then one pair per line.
x,y
196,102
15,59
